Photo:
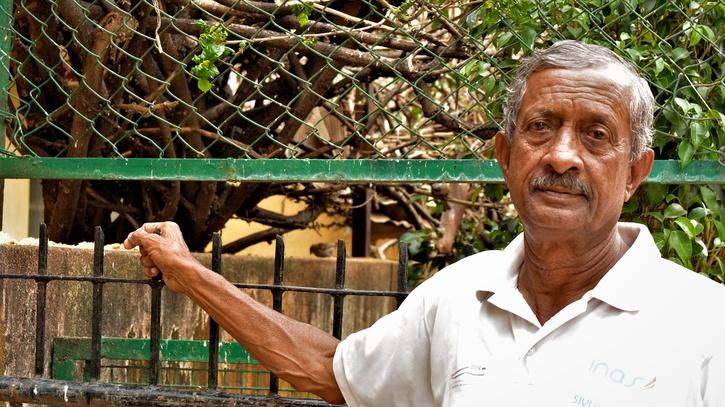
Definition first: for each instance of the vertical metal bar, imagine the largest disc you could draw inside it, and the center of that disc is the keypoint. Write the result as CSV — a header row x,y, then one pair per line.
x,y
402,272
277,296
216,266
97,317
339,285
40,301
155,341
361,212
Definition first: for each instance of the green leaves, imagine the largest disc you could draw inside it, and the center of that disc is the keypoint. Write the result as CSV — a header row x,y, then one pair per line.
x,y
694,237
212,42
709,198
698,32
655,194
675,210
685,151
682,245
691,227
416,241
303,10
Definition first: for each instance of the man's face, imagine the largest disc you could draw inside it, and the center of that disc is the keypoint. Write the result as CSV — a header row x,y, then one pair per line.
x,y
568,167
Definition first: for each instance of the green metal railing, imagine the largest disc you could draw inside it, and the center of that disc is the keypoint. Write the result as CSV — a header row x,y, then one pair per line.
x,y
184,364
342,171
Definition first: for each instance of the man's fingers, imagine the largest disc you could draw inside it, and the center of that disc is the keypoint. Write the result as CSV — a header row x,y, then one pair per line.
x,y
134,239
147,231
154,227
150,272
147,262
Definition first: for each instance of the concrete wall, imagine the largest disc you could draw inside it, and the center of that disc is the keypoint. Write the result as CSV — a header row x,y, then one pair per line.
x,y
126,306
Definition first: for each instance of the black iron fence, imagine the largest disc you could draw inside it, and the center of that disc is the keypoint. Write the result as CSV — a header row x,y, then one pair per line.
x,y
41,389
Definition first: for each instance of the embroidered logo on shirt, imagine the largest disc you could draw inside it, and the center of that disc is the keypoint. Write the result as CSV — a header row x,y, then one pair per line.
x,y
619,376
475,370
463,376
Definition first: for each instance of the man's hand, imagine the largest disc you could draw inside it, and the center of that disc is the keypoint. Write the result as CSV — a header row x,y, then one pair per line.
x,y
298,353
163,250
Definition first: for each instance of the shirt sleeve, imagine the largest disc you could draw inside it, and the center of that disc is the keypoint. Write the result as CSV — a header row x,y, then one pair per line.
x,y
388,364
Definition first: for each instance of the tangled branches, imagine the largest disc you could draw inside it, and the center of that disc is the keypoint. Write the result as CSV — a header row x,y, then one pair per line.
x,y
227,78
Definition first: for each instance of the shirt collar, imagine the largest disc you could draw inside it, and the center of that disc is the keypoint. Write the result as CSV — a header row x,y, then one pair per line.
x,y
499,285
620,287
505,273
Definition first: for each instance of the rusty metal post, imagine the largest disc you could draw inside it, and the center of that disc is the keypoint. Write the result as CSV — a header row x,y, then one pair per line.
x,y
97,317
339,285
362,209
216,266
155,332
40,301
277,292
402,272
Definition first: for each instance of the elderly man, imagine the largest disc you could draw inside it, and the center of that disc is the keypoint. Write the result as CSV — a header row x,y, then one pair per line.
x,y
580,310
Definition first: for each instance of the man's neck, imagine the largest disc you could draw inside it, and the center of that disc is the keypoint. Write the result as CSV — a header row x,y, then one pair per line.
x,y
557,272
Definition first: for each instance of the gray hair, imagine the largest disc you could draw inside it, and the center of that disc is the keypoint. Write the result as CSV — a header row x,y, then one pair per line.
x,y
577,55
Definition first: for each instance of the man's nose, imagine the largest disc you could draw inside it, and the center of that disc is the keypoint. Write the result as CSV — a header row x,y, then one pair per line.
x,y
564,151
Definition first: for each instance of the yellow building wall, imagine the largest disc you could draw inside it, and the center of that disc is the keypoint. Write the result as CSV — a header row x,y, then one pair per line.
x,y
16,204
297,242
16,208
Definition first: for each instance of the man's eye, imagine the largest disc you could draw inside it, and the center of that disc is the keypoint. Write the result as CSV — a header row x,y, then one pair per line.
x,y
539,126
598,134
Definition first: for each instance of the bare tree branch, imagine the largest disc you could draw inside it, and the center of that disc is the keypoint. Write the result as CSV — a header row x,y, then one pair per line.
x,y
434,112
299,221
254,238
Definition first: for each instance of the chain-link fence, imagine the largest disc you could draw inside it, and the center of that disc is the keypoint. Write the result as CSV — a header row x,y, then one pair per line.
x,y
327,79
345,83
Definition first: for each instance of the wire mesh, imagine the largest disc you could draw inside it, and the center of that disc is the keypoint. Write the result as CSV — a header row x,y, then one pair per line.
x,y
347,84
327,79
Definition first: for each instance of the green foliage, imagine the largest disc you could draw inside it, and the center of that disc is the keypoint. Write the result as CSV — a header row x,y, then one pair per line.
x,y
688,225
212,42
488,223
303,10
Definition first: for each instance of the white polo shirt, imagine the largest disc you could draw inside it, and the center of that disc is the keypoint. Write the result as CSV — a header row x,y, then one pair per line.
x,y
651,333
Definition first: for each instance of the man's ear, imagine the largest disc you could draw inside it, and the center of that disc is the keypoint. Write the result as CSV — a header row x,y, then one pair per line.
x,y
502,152
638,171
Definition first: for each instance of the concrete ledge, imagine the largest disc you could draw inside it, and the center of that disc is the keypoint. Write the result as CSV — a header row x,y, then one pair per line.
x,y
126,307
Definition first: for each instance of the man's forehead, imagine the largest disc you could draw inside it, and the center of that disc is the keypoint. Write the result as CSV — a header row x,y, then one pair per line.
x,y
603,88
613,73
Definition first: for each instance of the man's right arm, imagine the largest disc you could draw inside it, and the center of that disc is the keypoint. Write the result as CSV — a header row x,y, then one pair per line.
x,y
296,352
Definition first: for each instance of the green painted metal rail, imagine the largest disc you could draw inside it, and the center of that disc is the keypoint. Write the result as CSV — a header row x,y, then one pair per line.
x,y
68,350
241,372
290,170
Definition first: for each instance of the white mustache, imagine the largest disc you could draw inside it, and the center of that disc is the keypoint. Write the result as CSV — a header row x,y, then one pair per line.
x,y
567,181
